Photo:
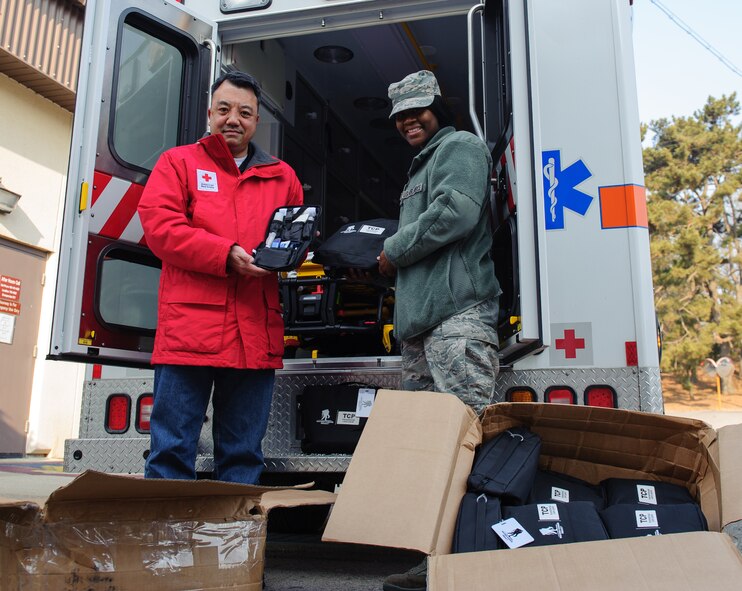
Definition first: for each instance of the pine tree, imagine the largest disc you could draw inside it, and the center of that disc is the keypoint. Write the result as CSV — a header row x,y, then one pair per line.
x,y
694,179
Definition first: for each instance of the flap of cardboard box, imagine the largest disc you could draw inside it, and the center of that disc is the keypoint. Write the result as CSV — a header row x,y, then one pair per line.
x,y
95,496
291,497
699,560
19,512
730,451
408,470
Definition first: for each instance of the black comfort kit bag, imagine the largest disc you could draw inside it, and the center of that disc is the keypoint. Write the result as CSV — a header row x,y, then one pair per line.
x,y
287,239
558,523
478,512
329,416
635,520
505,465
355,246
649,492
553,486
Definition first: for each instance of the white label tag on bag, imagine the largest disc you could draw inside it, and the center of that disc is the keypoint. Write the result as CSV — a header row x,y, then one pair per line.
x,y
365,402
559,494
646,494
512,533
547,512
371,230
647,519
347,417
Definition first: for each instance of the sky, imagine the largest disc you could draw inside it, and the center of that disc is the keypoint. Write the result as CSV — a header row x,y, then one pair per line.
x,y
675,73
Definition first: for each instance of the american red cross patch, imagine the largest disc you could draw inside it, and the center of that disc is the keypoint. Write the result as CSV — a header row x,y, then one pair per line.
x,y
206,180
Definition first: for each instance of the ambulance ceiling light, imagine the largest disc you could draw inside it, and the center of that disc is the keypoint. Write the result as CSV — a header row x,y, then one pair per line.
x,y
333,54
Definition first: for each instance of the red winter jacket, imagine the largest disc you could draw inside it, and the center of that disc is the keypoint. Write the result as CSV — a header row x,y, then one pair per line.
x,y
195,206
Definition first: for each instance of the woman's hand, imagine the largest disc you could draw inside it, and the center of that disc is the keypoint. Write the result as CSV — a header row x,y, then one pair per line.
x,y
386,268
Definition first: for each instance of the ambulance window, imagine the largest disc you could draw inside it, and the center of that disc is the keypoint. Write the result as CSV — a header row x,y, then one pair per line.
x,y
128,281
149,80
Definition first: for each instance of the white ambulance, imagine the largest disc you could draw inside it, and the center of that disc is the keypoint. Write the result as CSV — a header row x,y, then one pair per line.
x,y
548,85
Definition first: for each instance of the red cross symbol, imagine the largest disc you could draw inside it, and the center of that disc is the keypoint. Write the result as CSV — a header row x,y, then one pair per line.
x,y
206,177
570,344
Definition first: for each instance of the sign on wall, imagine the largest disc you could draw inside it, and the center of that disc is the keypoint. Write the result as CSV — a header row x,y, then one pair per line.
x,y
10,307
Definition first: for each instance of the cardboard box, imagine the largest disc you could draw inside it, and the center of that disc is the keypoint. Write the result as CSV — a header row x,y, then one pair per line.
x,y
103,532
408,475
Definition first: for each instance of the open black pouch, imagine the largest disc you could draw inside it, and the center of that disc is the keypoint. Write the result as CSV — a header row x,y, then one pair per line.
x,y
287,239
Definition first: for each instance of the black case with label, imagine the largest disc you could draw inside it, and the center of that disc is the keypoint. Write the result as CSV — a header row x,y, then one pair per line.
x,y
628,490
290,232
630,520
327,418
578,522
577,490
355,246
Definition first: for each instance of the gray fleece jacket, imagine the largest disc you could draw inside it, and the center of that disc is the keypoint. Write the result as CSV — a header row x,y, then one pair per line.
x,y
442,247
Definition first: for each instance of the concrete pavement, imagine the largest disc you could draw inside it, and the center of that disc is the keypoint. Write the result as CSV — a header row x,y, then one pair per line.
x,y
31,478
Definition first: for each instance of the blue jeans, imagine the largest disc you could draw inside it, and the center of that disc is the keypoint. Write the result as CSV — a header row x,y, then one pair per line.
x,y
241,405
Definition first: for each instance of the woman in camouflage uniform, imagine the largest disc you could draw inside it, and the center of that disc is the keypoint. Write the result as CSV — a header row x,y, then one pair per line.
x,y
447,294
446,290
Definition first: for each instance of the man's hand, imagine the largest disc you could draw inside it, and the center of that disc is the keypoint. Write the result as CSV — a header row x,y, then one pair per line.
x,y
241,262
386,268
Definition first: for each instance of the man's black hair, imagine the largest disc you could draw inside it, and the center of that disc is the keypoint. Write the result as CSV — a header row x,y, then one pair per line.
x,y
240,80
442,111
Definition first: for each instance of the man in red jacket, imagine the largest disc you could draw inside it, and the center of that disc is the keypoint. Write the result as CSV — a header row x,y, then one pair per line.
x,y
204,209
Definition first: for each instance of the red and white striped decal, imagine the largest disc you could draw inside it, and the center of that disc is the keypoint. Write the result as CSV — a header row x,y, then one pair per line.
x,y
113,209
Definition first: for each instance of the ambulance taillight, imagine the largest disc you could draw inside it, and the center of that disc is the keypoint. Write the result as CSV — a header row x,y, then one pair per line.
x,y
520,394
604,396
560,395
144,411
118,407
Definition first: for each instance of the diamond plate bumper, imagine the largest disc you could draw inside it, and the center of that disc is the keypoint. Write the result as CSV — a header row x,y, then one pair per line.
x,y
96,449
636,388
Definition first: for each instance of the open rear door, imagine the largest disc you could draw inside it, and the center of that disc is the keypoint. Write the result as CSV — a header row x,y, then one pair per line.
x,y
143,88
499,105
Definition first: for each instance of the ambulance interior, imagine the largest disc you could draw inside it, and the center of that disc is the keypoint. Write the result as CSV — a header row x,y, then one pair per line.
x,y
325,111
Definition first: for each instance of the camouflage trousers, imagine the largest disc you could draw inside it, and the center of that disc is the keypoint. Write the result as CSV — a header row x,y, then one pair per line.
x,y
458,356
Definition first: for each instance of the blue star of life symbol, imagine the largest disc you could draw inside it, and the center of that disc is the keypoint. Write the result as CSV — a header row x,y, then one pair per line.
x,y
559,188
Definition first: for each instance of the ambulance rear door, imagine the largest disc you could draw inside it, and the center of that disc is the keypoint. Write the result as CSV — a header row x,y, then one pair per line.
x,y
143,88
500,107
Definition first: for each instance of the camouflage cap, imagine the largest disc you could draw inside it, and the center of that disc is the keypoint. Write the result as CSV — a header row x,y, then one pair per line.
x,y
413,92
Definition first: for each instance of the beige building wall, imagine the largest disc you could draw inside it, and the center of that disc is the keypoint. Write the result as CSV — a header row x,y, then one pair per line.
x,y
34,153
